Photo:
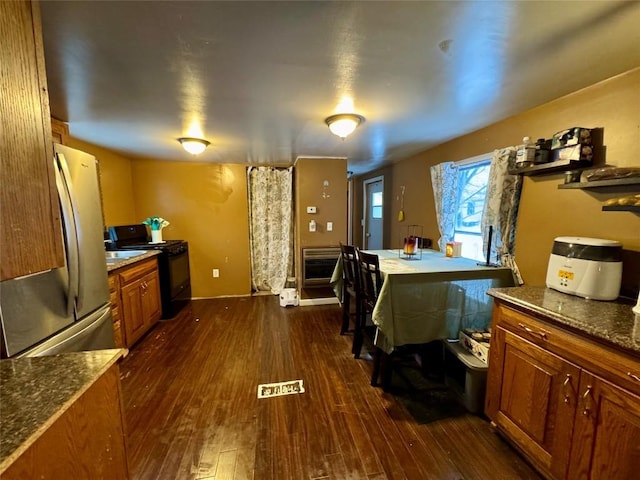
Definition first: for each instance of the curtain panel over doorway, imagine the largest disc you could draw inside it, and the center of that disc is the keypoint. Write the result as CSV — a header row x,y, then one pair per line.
x,y
270,227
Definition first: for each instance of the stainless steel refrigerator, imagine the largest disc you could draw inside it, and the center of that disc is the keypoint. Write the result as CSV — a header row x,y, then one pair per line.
x,y
65,309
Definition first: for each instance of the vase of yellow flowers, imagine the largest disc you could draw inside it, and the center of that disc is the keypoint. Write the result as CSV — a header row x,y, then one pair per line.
x,y
156,224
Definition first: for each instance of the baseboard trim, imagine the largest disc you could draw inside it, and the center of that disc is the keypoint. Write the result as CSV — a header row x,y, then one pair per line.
x,y
307,302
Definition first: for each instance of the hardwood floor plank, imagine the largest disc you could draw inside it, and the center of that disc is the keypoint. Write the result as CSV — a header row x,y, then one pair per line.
x,y
192,412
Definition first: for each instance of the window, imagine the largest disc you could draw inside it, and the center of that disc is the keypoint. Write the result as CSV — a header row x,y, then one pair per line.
x,y
473,177
376,205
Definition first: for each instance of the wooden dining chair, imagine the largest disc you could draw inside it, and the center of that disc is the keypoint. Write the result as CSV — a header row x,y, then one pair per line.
x,y
351,290
371,283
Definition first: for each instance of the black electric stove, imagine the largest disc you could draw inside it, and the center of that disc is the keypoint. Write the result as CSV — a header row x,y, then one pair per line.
x,y
173,263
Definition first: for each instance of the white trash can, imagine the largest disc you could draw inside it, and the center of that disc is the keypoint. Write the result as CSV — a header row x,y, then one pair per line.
x,y
289,296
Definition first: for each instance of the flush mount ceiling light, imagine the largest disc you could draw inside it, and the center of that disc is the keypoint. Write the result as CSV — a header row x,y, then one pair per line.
x,y
194,146
343,124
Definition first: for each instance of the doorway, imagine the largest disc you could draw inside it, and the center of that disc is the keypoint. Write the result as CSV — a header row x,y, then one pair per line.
x,y
373,208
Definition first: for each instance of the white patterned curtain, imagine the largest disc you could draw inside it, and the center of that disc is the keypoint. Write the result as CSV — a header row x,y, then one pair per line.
x,y
501,210
444,180
270,227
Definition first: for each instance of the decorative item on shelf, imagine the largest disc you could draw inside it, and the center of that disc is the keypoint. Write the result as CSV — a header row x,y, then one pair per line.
x,y
543,148
572,144
411,243
156,224
525,155
613,173
572,176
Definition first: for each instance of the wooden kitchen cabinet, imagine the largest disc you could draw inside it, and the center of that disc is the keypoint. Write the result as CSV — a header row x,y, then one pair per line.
x,y
85,441
138,300
606,432
59,131
30,229
116,311
570,404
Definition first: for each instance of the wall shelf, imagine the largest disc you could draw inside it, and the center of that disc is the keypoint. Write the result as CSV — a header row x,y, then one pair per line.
x,y
621,208
616,182
558,166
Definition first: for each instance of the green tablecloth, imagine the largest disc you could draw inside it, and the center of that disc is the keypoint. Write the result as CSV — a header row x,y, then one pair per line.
x,y
431,297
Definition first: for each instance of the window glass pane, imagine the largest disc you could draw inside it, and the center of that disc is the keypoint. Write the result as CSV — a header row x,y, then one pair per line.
x,y
376,212
376,199
472,190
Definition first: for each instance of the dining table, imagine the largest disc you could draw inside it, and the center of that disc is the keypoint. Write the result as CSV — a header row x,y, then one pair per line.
x,y
429,296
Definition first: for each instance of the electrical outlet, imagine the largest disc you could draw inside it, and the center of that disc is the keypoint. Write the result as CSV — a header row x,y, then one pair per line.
x,y
311,209
329,226
216,273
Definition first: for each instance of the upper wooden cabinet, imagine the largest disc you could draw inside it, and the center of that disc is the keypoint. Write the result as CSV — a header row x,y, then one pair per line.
x,y
30,229
59,131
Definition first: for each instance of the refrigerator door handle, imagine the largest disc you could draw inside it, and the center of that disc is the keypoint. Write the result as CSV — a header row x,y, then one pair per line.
x,y
66,204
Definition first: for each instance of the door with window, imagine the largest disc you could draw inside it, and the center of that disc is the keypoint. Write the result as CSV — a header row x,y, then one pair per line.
x,y
374,213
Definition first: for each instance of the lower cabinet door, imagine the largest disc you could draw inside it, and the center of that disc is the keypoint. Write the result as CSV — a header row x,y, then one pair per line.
x,y
606,438
538,398
133,312
151,304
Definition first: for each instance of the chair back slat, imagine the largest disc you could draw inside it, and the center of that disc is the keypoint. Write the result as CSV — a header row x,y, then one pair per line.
x,y
370,276
350,266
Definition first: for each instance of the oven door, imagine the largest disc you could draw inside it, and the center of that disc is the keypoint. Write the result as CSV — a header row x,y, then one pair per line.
x,y
179,277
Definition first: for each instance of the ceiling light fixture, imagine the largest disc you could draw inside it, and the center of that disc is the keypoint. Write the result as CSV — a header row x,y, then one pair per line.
x,y
343,124
194,146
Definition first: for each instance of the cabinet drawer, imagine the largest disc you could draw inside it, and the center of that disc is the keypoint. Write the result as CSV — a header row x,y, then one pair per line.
x,y
115,314
117,335
113,284
614,365
138,270
114,298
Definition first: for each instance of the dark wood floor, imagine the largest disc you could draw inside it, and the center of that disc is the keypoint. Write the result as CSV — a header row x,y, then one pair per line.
x,y
192,412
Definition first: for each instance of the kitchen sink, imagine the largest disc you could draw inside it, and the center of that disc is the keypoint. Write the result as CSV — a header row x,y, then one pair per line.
x,y
118,255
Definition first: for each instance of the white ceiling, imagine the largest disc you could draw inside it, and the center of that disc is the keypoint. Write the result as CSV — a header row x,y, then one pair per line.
x,y
259,78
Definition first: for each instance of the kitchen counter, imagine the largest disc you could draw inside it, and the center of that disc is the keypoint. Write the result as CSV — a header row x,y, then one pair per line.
x,y
35,392
114,264
611,323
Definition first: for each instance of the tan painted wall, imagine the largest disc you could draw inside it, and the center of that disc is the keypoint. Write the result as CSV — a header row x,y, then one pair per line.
x,y
330,203
116,183
206,204
545,211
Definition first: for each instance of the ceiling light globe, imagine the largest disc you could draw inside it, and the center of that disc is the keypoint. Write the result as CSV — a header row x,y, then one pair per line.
x,y
343,124
194,146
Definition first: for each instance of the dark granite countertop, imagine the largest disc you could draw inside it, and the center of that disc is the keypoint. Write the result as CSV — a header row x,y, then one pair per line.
x,y
610,322
123,262
35,392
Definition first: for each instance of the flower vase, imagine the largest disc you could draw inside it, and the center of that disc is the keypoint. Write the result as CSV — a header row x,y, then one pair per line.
x,y
156,236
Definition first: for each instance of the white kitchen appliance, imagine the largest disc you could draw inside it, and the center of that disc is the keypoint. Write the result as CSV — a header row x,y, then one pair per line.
x,y
586,267
289,297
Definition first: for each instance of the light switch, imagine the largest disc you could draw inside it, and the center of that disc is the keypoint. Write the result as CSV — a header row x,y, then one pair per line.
x,y
311,209
329,226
